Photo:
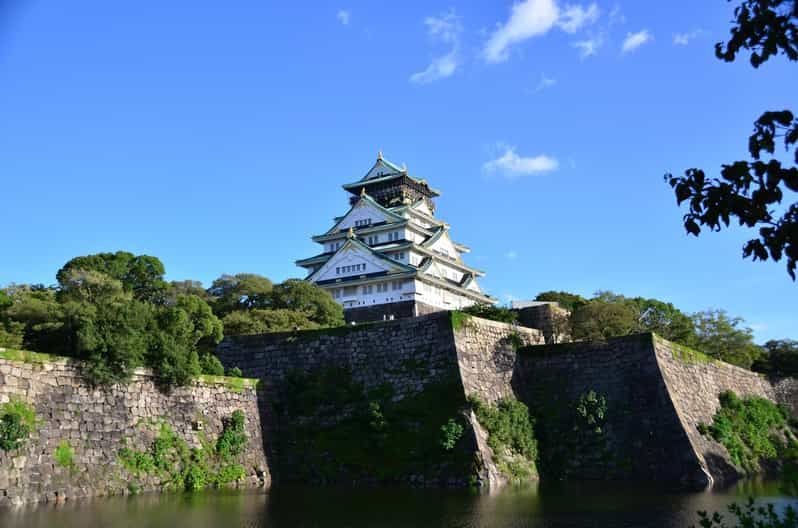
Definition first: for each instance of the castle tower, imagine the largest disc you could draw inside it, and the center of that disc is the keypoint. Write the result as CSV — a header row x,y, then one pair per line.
x,y
388,256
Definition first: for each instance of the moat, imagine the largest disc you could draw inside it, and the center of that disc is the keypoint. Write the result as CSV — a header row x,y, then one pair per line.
x,y
545,506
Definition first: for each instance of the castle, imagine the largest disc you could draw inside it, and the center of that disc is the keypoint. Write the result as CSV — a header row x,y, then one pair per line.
x,y
389,256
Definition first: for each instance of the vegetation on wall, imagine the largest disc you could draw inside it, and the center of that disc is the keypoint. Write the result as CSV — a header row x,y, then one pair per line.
x,y
492,312
511,436
17,422
754,430
64,455
335,430
177,466
115,312
571,432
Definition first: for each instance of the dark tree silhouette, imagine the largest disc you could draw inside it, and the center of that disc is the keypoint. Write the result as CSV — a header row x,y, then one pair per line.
x,y
753,191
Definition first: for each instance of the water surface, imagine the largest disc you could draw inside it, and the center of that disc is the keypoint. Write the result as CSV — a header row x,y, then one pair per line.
x,y
545,506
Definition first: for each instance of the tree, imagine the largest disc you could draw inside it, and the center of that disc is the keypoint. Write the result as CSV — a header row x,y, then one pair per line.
x,y
112,338
185,287
242,291
174,354
722,337
260,321
780,358
313,302
751,191
36,316
142,275
569,301
664,319
599,320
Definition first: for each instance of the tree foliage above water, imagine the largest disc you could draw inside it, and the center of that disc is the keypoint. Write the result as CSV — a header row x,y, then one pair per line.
x,y
754,191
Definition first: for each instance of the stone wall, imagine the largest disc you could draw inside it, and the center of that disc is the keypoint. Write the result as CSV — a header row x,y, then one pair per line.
x,y
388,312
639,436
486,356
409,356
98,423
655,392
693,382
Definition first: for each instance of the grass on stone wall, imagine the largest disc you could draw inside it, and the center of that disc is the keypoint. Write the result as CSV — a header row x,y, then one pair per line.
x,y
511,436
26,356
459,319
336,431
755,431
176,466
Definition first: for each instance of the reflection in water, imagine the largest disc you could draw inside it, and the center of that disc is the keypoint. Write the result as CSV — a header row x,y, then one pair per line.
x,y
545,506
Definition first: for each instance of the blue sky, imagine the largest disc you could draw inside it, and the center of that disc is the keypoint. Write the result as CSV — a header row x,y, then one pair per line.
x,y
217,137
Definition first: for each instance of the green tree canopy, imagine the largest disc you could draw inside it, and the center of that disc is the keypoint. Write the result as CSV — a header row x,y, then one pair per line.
x,y
779,358
308,299
569,301
242,291
753,191
261,321
142,275
723,337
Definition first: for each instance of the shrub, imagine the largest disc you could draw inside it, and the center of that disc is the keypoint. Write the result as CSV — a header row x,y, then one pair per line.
x,y
64,455
233,438
511,435
451,432
235,372
492,312
750,429
210,364
17,422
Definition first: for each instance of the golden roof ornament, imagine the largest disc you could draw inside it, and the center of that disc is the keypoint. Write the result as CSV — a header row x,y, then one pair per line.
x,y
379,154
362,191
350,233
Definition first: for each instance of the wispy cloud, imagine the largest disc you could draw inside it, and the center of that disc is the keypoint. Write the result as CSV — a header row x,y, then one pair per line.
x,y
616,16
532,18
575,17
588,47
445,29
635,40
683,39
511,255
511,165
528,19
545,82
343,16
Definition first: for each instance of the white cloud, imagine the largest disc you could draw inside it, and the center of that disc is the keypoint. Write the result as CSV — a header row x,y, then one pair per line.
x,y
545,82
446,29
616,16
588,47
440,68
511,165
343,16
528,19
511,255
683,39
635,40
575,17
532,18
